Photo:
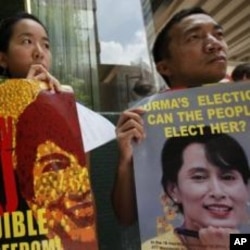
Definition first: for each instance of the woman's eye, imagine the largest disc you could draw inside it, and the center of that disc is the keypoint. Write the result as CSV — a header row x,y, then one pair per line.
x,y
198,177
228,177
47,45
26,41
52,166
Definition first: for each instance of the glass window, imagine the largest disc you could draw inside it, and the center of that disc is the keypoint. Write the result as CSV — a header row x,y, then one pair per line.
x,y
71,26
100,48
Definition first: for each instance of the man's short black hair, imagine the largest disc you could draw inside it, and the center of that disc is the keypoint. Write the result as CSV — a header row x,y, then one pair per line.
x,y
161,45
160,48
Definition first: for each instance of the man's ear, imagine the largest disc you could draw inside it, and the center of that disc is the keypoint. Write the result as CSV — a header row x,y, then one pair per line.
x,y
162,68
245,77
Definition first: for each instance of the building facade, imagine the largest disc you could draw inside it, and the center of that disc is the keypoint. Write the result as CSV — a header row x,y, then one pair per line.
x,y
76,48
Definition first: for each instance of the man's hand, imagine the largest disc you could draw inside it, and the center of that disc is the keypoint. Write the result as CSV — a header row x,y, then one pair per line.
x,y
129,128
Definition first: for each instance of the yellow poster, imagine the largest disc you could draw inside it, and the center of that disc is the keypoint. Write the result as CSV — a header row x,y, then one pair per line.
x,y
192,172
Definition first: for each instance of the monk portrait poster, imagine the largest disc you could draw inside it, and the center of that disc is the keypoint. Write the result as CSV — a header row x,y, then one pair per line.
x,y
192,170
46,200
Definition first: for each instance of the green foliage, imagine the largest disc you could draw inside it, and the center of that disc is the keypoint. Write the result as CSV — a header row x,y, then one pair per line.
x,y
78,86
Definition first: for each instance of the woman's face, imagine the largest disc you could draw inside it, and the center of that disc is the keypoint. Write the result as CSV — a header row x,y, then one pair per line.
x,y
209,195
61,186
29,44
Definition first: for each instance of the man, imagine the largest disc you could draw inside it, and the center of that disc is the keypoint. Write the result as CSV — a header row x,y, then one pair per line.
x,y
188,52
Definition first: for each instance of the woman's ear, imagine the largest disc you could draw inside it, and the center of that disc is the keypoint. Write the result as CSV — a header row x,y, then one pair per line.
x,y
162,68
3,62
173,192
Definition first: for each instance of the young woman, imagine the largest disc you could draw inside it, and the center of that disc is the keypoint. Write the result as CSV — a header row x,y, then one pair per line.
x,y
68,209
25,53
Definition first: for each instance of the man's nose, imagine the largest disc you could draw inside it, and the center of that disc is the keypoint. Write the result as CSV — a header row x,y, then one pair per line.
x,y
212,44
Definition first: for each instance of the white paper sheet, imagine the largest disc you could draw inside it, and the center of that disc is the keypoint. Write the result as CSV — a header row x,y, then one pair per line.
x,y
96,130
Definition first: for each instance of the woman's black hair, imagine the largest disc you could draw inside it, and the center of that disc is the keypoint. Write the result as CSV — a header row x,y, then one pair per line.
x,y
221,150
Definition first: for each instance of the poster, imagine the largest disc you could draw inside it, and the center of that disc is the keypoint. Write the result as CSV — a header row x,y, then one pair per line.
x,y
169,200
46,200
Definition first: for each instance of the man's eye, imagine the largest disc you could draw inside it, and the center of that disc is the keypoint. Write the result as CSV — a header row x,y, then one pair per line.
x,y
193,37
220,33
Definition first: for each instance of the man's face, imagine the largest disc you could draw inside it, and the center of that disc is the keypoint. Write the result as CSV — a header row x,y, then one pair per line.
x,y
198,52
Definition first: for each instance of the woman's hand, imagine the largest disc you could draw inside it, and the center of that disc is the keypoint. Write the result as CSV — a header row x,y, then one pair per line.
x,y
216,238
40,73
